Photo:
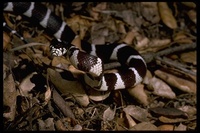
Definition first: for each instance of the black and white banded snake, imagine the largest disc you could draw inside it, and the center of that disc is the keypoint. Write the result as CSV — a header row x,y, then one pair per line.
x,y
130,73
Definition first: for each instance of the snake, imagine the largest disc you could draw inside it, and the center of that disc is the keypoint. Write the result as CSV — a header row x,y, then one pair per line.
x,y
91,59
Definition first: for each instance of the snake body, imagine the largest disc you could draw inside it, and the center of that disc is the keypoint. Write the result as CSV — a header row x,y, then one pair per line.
x,y
131,70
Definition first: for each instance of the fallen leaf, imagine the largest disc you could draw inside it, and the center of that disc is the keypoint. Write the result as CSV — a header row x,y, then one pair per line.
x,y
47,125
180,127
164,119
179,83
189,57
130,121
166,15
145,126
189,4
191,111
9,98
66,87
137,113
150,11
138,93
108,114
166,127
6,41
120,124
160,88
167,112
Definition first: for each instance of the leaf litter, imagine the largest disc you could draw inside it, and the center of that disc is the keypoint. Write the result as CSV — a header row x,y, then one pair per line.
x,y
47,93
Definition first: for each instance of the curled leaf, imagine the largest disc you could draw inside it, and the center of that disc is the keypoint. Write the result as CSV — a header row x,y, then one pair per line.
x,y
166,15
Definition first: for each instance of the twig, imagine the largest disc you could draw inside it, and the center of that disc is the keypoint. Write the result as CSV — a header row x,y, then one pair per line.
x,y
148,57
175,64
27,45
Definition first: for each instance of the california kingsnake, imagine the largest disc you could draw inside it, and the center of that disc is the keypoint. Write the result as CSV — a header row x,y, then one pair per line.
x,y
132,66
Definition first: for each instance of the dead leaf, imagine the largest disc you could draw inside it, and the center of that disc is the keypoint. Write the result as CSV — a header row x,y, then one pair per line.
x,y
6,41
182,38
157,44
47,125
179,83
108,114
144,126
120,124
189,57
168,112
164,119
166,127
77,128
161,88
60,126
66,86
138,93
166,15
150,11
136,112
189,4
180,127
147,77
128,39
191,111
26,85
9,98
193,16
130,121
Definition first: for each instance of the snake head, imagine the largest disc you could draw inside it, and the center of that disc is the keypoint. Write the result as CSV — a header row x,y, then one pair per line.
x,y
58,47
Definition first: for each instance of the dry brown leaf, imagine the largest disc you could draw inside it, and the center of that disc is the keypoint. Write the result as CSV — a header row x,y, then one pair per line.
x,y
180,127
150,12
128,39
145,126
130,121
60,126
120,124
77,128
168,112
189,4
47,125
191,111
193,16
166,15
158,44
142,43
6,41
79,24
164,119
147,77
166,127
182,38
179,83
26,85
161,88
137,112
66,87
128,17
9,98
189,57
138,93
109,114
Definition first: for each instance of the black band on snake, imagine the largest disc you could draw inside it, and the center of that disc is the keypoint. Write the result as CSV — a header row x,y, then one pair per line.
x,y
132,66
